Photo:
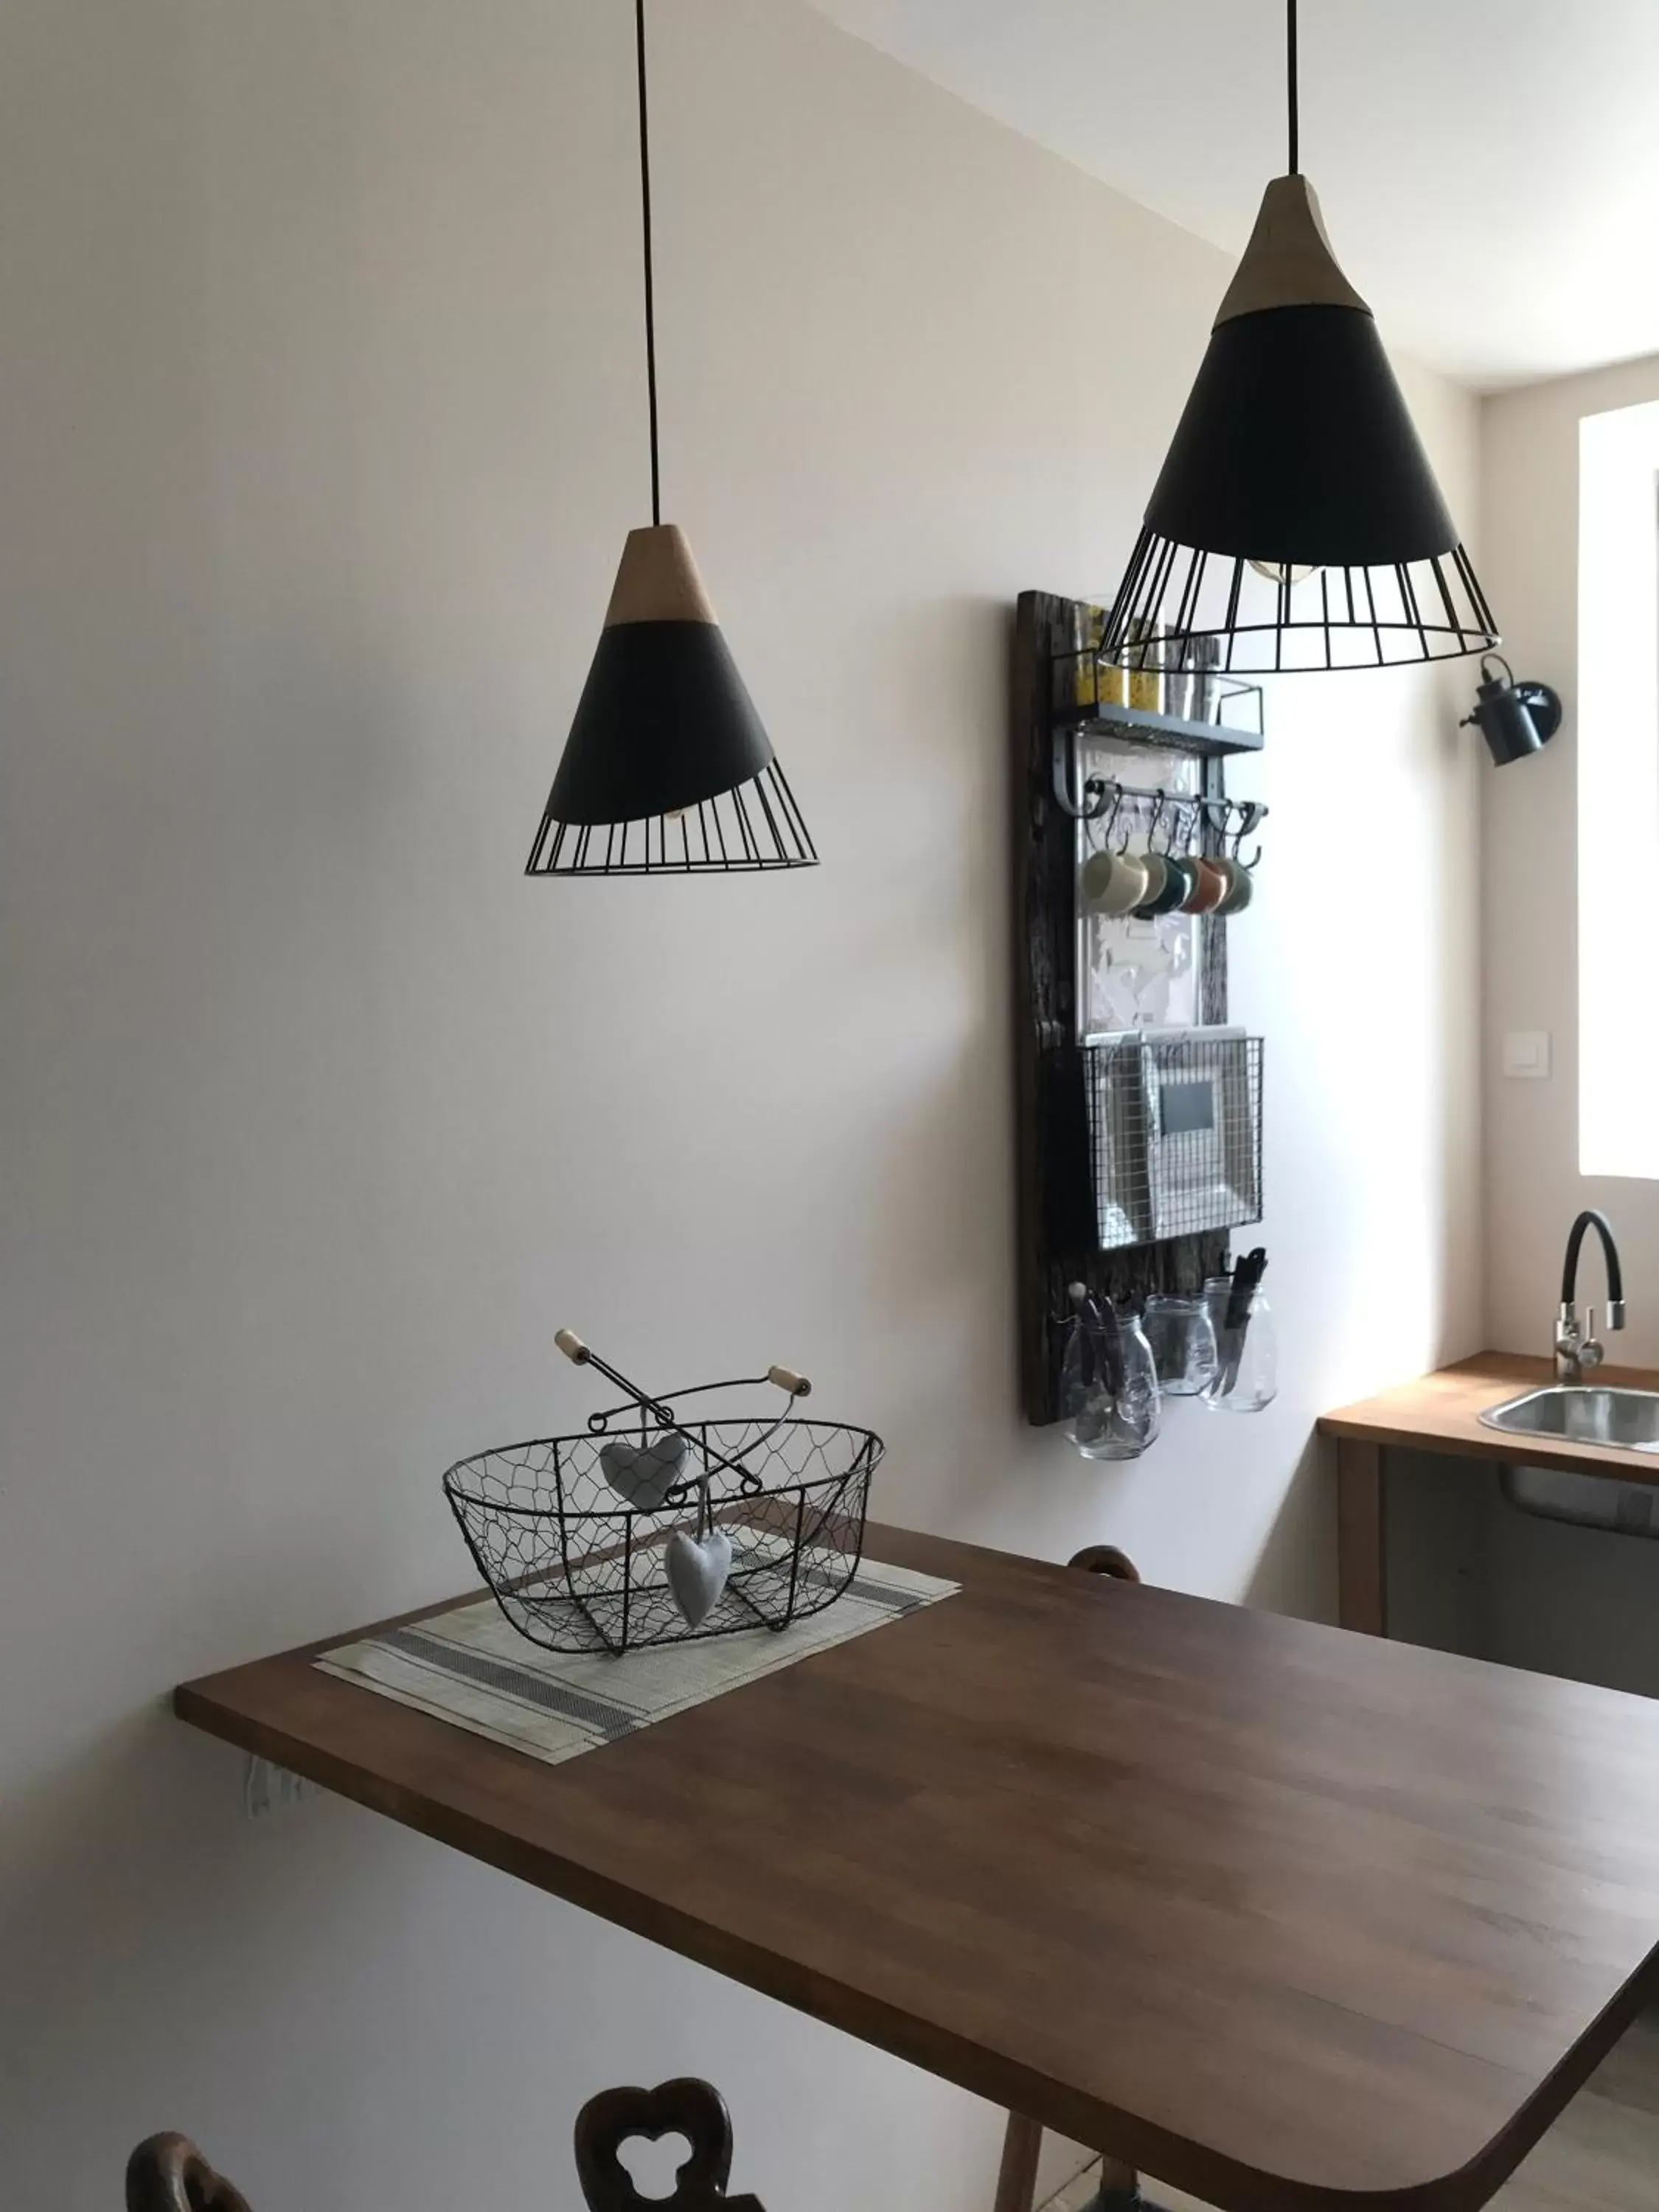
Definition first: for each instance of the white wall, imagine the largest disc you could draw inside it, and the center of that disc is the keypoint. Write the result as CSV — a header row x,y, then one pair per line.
x,y
320,433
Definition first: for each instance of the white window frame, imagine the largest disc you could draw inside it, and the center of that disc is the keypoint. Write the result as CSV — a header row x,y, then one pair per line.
x,y
1618,726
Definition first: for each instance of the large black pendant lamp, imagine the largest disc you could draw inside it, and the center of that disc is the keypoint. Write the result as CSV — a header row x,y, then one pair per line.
x,y
1297,523
666,768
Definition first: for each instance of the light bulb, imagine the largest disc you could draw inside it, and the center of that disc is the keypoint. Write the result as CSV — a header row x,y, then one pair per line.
x,y
1285,572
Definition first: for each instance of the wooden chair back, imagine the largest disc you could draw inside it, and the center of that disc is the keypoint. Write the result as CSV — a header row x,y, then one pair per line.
x,y
685,2107
167,2174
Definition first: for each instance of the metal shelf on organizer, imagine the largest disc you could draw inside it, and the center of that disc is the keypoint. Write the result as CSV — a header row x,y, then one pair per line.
x,y
1139,722
1216,737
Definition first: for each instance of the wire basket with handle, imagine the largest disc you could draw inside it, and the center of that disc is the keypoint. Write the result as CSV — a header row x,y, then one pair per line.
x,y
700,1513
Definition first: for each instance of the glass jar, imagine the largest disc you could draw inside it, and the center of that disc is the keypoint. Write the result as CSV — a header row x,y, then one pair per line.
x,y
1247,1352
1109,1403
1181,1335
1143,655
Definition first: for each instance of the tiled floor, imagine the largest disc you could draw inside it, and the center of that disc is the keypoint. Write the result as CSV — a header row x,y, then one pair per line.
x,y
1601,2155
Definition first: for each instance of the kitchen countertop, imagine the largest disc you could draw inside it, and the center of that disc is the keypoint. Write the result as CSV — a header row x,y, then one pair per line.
x,y
1439,1413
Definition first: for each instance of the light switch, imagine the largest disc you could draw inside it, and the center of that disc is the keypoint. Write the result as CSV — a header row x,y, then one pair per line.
x,y
1526,1055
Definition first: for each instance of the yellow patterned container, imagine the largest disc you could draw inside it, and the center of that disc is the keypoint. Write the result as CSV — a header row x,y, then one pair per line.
x,y
1145,669
1098,683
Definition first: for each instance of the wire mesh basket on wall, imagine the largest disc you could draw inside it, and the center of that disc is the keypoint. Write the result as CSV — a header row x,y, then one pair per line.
x,y
1175,1134
575,1568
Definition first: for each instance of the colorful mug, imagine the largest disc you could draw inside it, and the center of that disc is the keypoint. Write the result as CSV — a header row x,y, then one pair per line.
x,y
1114,883
1210,888
1241,887
1171,884
1127,886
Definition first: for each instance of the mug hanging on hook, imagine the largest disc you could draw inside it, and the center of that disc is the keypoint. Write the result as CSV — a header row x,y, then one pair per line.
x,y
1239,872
1113,880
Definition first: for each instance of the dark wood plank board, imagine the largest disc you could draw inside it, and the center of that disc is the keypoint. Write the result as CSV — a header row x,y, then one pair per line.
x,y
1292,1918
1054,1183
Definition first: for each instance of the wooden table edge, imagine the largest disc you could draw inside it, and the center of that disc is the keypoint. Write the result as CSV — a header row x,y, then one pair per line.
x,y
970,2065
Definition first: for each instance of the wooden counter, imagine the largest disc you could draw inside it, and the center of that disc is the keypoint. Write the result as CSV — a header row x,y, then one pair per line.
x,y
1297,1922
1440,1414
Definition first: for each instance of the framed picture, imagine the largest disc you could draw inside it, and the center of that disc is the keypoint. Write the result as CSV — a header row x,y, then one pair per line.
x,y
1175,1133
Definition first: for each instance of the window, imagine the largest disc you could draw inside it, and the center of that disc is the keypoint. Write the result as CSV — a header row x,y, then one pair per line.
x,y
1619,793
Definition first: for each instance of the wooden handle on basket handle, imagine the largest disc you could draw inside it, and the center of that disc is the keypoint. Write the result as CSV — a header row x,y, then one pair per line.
x,y
576,1350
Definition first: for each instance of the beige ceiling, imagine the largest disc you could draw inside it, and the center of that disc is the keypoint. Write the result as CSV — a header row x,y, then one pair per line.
x,y
1489,168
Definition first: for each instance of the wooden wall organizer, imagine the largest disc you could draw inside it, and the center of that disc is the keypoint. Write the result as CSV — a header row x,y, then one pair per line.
x,y
1054,1195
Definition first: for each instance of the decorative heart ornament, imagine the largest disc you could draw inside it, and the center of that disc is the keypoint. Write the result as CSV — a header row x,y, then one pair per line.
x,y
696,1571
644,1473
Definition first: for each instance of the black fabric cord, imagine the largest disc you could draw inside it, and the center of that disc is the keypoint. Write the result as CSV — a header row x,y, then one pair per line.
x,y
1290,85
645,230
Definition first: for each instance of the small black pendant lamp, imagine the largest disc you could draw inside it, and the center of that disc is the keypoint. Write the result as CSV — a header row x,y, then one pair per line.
x,y
1297,523
667,769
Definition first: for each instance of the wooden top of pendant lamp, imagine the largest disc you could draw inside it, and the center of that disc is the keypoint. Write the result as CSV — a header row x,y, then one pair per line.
x,y
658,582
1288,262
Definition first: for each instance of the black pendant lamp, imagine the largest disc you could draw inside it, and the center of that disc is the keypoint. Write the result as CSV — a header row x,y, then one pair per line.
x,y
667,769
1297,523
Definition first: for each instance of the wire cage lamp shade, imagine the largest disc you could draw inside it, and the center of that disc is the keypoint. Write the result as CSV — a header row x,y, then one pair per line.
x,y
1183,608
1297,523
667,769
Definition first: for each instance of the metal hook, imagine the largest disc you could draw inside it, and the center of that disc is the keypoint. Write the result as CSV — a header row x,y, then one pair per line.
x,y
1160,799
1093,801
1106,812
1252,813
1129,827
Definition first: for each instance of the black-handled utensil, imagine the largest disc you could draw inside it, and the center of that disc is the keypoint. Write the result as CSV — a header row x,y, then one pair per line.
x,y
1235,1318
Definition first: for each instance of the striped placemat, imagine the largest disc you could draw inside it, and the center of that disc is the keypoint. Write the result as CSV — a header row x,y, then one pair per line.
x,y
472,1667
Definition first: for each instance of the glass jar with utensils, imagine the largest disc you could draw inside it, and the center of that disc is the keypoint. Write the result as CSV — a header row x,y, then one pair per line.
x,y
1109,1399
1181,1334
1247,1343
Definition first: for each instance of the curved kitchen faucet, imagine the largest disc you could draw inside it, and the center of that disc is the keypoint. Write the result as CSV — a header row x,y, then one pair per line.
x,y
1576,1348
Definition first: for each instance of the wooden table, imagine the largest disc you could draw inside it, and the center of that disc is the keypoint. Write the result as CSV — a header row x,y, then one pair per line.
x,y
1441,1414
1295,1919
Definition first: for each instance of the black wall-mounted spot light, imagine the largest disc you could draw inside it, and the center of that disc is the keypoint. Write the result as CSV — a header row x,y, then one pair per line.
x,y
667,768
1515,719
1297,523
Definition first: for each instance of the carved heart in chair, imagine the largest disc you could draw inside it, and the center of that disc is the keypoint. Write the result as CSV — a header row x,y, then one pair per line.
x,y
685,2107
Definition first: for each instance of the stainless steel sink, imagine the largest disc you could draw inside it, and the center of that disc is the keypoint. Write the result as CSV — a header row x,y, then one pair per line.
x,y
1583,1413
